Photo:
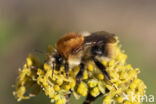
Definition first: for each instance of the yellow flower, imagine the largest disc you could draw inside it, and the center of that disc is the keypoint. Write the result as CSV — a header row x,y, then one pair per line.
x,y
29,62
119,99
56,88
85,75
100,76
124,80
95,91
90,67
82,89
127,102
72,83
61,101
107,100
46,67
67,87
92,83
59,81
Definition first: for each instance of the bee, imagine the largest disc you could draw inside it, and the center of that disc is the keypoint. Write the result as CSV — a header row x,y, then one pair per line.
x,y
75,49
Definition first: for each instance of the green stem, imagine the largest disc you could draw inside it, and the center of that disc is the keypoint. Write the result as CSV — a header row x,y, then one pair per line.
x,y
90,99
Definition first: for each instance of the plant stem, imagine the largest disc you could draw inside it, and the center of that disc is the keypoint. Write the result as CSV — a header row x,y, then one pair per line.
x,y
68,99
90,99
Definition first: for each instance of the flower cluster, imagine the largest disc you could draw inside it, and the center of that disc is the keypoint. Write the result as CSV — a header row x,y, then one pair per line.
x,y
27,79
36,76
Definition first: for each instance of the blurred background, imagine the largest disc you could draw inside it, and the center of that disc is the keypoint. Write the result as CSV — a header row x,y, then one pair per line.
x,y
26,25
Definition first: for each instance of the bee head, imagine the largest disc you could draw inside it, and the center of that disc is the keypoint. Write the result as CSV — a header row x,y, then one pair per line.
x,y
58,59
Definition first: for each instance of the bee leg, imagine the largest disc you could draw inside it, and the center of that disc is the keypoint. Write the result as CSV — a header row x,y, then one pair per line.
x,y
66,66
57,67
80,73
102,68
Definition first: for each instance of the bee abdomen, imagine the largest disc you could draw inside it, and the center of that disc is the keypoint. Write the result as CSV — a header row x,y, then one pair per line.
x,y
100,37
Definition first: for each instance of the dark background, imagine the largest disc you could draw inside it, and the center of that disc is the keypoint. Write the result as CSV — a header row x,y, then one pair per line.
x,y
26,25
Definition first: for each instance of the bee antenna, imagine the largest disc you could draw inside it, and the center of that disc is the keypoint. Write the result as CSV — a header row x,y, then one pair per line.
x,y
53,69
38,51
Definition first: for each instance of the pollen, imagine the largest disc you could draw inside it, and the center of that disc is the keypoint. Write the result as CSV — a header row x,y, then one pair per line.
x,y
61,101
107,100
72,83
95,92
67,87
92,83
127,102
90,67
29,62
82,89
104,62
46,66
59,81
100,76
56,88
119,99
85,75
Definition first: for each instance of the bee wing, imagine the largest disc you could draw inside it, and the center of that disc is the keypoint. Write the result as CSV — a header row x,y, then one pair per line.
x,y
100,37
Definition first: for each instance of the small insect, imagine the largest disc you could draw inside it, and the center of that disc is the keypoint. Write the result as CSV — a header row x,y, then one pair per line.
x,y
74,49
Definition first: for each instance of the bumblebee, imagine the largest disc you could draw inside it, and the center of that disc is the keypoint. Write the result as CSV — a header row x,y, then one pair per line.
x,y
75,49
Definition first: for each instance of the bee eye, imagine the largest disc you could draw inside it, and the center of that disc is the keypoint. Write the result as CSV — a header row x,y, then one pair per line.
x,y
96,50
58,59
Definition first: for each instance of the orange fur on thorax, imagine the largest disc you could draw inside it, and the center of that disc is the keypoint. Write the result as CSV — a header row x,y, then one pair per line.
x,y
69,43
